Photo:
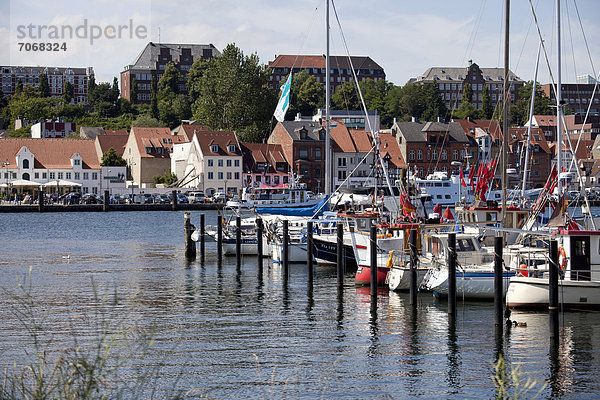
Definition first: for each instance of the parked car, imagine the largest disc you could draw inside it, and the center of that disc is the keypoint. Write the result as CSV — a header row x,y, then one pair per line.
x,y
196,197
90,198
161,198
147,198
182,198
70,198
219,197
51,197
117,199
572,194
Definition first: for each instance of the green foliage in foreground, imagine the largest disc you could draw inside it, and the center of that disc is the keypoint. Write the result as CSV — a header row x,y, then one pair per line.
x,y
509,384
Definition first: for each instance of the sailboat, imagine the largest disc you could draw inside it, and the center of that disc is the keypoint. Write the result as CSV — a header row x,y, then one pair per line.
x,y
579,250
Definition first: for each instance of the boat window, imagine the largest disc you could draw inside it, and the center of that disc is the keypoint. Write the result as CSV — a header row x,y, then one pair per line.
x,y
446,184
438,196
437,184
580,249
464,245
490,216
447,196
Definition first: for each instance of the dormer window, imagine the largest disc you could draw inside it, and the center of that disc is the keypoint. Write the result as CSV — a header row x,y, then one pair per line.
x,y
148,150
303,134
214,148
232,148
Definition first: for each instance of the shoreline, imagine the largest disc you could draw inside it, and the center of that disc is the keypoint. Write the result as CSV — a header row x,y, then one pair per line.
x,y
23,208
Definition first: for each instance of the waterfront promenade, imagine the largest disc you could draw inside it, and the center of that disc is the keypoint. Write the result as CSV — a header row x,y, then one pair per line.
x,y
6,207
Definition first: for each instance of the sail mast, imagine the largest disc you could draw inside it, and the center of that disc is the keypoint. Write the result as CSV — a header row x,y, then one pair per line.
x,y
526,169
327,95
505,101
558,102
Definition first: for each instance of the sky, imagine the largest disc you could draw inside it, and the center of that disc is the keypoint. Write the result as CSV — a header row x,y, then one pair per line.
x,y
405,37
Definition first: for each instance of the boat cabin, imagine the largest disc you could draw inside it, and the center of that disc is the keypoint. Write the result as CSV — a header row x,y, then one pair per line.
x,y
468,248
579,255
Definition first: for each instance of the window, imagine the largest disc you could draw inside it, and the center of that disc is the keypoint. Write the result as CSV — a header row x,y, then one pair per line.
x,y
37,175
229,163
94,176
317,153
435,154
219,163
419,155
304,173
444,155
455,155
341,175
67,175
214,148
236,163
60,175
219,175
210,175
317,172
210,162
303,153
76,162
86,176
25,164
275,179
236,175
342,162
228,175
77,175
411,155
232,148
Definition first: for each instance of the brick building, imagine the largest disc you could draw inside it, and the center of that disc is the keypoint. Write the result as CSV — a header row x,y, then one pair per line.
x,y
577,97
451,81
57,76
153,60
341,70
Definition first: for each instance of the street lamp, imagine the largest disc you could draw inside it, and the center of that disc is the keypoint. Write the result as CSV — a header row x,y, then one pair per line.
x,y
6,164
131,164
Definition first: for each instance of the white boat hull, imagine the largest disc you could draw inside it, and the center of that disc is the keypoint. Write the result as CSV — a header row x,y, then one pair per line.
x,y
296,253
532,293
471,284
398,278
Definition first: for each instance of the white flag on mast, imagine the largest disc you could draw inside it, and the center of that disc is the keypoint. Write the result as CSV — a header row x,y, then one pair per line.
x,y
284,100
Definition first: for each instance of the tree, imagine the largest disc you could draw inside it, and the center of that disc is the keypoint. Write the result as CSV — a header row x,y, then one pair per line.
x,y
21,132
233,95
168,81
486,107
306,95
375,94
133,93
19,87
114,90
466,110
68,92
153,98
44,88
345,97
110,158
167,179
434,105
194,78
147,121
519,112
467,93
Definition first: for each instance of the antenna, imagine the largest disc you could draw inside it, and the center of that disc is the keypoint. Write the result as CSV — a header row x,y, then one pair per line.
x,y
159,34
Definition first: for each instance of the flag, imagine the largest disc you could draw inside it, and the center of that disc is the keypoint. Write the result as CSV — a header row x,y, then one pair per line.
x,y
448,214
462,178
284,100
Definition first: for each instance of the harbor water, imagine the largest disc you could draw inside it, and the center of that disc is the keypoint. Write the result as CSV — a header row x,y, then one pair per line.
x,y
221,333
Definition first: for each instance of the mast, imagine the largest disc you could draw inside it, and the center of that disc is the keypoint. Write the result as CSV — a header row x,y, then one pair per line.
x,y
558,102
505,101
327,95
526,170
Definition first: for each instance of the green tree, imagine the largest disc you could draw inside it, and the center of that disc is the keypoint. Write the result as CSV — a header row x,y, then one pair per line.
x,y
19,87
234,95
146,121
345,97
21,132
114,90
134,91
153,98
519,112
167,179
68,92
434,105
467,93
194,78
31,108
405,102
466,109
306,94
486,107
375,94
168,82
110,158
44,88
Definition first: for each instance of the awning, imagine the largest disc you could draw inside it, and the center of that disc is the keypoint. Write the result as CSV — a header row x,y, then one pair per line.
x,y
61,182
23,183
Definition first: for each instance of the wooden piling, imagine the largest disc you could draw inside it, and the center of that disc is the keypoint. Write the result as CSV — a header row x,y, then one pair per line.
x,y
309,254
285,254
106,202
452,274
41,201
553,291
238,242
259,243
413,290
498,284
188,229
373,254
174,206
202,233
219,239
340,255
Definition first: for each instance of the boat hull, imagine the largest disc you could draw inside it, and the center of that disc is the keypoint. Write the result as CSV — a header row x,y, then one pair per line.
x,y
469,284
297,253
325,252
532,293
363,275
399,278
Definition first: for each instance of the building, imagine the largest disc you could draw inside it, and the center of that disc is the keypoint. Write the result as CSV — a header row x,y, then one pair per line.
x,y
264,164
540,157
57,76
574,126
432,146
352,152
210,162
340,69
104,143
576,96
148,153
451,81
51,128
353,119
153,60
44,160
487,136
303,145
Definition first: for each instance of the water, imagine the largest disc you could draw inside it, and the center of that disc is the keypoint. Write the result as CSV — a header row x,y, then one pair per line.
x,y
223,334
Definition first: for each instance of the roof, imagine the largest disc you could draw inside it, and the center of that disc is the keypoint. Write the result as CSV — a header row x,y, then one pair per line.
x,y
537,137
155,138
255,153
293,129
222,139
90,132
18,69
318,61
362,140
342,140
149,56
389,148
458,74
190,130
545,120
117,142
412,131
454,130
51,152
490,126
116,132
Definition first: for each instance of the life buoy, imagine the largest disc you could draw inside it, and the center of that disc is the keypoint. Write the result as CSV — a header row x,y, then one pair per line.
x,y
563,254
251,197
523,270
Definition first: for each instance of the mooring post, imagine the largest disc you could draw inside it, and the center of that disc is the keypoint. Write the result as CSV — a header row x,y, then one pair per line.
x,y
238,242
259,244
188,229
106,202
373,254
309,254
498,286
452,274
202,232
219,239
174,204
553,291
41,201
340,255
285,255
413,267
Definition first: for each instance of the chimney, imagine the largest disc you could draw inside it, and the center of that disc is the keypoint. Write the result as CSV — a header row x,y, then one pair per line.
x,y
298,117
413,119
395,120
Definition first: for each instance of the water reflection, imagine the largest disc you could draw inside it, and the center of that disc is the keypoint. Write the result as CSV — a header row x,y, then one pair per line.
x,y
454,362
